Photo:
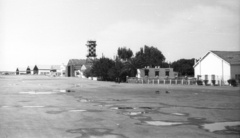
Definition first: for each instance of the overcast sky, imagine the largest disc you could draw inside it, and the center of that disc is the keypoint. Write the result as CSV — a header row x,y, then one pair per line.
x,y
53,31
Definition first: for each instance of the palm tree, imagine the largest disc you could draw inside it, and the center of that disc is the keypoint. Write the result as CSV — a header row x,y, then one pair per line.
x,y
132,65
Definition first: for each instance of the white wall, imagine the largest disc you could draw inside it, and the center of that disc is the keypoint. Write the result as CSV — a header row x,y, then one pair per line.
x,y
162,71
213,65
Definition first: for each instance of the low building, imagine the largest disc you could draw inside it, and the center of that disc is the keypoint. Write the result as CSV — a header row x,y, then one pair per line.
x,y
43,69
156,72
58,70
218,65
75,67
22,71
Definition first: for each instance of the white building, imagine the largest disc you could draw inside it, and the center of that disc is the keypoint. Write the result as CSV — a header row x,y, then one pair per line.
x,y
156,72
218,65
44,69
58,70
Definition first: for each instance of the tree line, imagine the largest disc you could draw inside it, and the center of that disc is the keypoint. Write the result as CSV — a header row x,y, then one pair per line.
x,y
126,64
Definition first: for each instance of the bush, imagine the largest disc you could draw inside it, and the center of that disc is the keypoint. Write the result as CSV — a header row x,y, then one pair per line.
x,y
199,82
214,82
205,82
233,82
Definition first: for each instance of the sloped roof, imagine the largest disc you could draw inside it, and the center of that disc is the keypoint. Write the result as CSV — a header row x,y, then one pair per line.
x,y
44,66
57,67
232,57
75,62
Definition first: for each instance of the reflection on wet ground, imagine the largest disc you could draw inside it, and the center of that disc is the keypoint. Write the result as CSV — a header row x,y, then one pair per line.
x,y
47,92
226,127
139,113
95,133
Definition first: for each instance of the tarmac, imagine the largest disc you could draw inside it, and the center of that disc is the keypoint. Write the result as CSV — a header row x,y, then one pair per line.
x,y
62,107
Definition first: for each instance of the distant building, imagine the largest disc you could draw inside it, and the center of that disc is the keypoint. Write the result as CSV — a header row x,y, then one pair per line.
x,y
75,67
218,65
22,71
43,69
59,70
156,72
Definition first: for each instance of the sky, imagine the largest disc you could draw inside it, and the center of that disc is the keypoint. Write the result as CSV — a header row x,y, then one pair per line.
x,y
50,32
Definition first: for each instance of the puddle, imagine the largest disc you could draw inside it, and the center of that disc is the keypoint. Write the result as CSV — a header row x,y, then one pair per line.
x,y
122,108
32,106
104,105
147,108
54,112
4,106
117,100
229,127
96,133
33,92
50,92
77,110
84,100
179,114
133,113
162,123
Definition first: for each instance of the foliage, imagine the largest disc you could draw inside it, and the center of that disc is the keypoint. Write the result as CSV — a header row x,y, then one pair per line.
x,y
88,73
233,82
131,66
214,82
184,67
115,73
150,56
124,53
101,67
199,82
205,82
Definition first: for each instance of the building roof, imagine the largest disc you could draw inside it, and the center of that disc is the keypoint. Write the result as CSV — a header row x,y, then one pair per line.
x,y
75,62
44,67
231,57
57,67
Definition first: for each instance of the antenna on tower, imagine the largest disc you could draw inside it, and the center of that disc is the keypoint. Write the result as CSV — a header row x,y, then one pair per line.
x,y
91,45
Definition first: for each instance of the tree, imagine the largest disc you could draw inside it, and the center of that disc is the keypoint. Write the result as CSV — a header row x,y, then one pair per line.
x,y
88,72
101,67
131,66
115,73
184,67
150,56
124,53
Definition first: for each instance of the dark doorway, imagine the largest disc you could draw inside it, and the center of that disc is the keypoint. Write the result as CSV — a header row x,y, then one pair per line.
x,y
69,71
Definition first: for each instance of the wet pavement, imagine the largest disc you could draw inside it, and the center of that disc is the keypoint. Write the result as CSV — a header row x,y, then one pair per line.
x,y
89,109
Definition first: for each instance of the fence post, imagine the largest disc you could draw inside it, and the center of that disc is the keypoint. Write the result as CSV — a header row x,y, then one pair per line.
x,y
158,81
188,82
182,81
176,81
170,81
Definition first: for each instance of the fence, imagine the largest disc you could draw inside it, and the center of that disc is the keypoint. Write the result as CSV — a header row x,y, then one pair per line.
x,y
179,81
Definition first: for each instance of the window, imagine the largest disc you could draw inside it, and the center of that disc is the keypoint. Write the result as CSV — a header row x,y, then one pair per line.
x,y
146,72
237,77
206,77
156,73
167,73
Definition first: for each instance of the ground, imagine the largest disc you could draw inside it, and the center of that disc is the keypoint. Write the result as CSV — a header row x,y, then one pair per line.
x,y
59,107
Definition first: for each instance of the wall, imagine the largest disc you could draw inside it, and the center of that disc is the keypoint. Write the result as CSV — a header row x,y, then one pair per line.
x,y
43,71
235,69
162,71
213,65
